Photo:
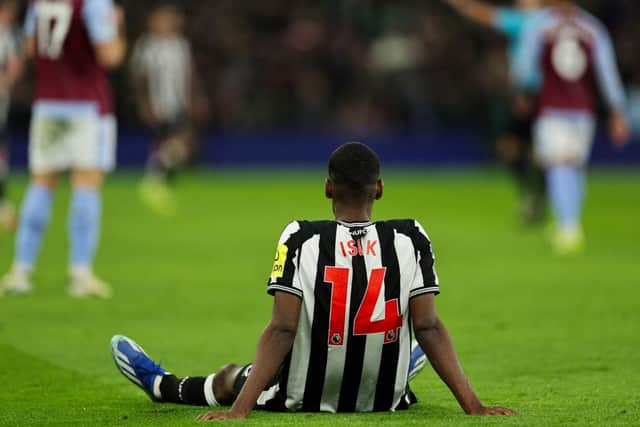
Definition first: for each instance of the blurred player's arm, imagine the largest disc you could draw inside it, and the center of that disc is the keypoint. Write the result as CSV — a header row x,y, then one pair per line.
x,y
30,32
477,11
527,58
140,84
274,345
437,345
611,88
105,23
143,100
13,70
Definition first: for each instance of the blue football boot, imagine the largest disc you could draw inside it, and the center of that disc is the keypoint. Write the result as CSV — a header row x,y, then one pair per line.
x,y
417,360
132,361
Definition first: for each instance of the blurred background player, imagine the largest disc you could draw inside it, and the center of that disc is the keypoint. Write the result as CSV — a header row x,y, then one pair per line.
x,y
10,70
574,51
162,72
73,42
514,145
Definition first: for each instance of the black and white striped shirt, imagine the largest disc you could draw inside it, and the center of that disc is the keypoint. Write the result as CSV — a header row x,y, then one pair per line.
x,y
351,350
165,62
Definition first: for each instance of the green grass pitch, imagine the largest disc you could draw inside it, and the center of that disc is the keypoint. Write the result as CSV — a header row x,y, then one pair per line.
x,y
557,339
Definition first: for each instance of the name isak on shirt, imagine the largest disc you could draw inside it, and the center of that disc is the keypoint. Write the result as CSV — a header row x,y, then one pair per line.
x,y
357,247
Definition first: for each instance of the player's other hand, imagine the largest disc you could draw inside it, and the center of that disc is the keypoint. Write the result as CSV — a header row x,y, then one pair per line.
x,y
493,410
619,129
219,415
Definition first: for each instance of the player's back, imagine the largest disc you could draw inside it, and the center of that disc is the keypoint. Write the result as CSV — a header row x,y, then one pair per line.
x,y
568,60
67,68
351,351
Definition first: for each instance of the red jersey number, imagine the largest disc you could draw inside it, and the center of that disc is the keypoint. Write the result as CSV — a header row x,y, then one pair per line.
x,y
338,278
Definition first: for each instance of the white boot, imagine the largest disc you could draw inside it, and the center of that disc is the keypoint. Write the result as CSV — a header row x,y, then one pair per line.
x,y
569,240
85,284
16,282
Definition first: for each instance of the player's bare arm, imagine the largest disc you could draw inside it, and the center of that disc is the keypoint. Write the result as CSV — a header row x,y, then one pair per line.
x,y
110,54
437,345
274,345
477,11
30,47
13,71
140,86
142,98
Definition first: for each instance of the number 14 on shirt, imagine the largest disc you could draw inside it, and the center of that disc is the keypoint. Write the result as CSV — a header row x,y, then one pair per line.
x,y
338,279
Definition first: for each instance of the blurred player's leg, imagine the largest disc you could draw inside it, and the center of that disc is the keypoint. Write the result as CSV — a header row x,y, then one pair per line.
x,y
7,210
515,149
566,184
563,143
34,219
94,155
172,152
84,234
47,156
529,178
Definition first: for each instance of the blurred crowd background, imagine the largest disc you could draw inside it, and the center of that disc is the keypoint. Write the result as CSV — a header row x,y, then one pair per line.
x,y
365,65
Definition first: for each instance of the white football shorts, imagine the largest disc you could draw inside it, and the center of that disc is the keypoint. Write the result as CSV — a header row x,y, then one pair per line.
x,y
83,140
562,138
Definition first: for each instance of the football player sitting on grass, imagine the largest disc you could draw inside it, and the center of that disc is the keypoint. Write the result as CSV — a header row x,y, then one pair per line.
x,y
345,292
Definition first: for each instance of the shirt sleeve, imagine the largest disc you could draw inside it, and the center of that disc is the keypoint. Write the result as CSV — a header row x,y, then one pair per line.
x,y
607,72
509,21
99,19
527,56
284,273
425,280
30,21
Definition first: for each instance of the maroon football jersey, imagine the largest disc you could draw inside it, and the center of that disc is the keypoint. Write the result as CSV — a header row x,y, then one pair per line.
x,y
66,66
567,62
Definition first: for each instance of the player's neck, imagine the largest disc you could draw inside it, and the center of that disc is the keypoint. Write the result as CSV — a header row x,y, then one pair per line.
x,y
351,213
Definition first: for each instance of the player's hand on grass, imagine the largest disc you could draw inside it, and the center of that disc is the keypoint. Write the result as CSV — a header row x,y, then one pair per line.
x,y
493,410
219,415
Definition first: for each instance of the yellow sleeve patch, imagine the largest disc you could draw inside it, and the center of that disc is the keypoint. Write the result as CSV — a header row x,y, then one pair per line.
x,y
278,263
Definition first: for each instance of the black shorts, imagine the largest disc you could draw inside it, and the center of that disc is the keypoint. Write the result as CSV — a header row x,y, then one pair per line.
x,y
172,127
520,128
4,135
275,400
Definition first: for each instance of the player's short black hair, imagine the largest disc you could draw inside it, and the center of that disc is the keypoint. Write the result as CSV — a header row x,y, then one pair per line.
x,y
354,169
